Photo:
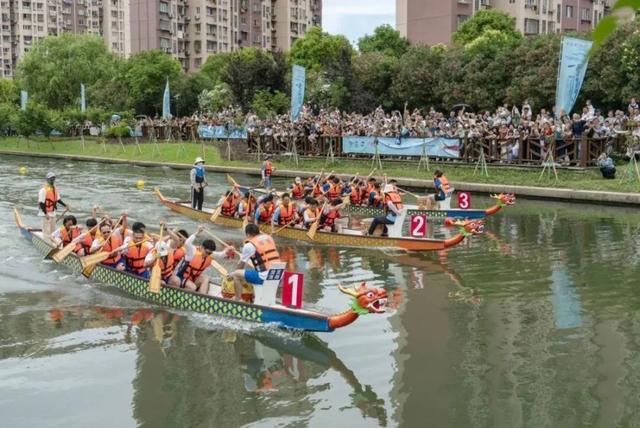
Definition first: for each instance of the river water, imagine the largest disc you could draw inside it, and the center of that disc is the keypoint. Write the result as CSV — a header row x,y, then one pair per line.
x,y
535,323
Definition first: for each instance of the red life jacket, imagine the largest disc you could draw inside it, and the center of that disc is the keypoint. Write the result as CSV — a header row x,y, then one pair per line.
x,y
394,197
334,192
286,214
86,243
330,218
167,263
265,213
192,270
355,196
266,252
178,255
297,192
135,256
268,169
50,199
229,206
66,237
317,190
113,242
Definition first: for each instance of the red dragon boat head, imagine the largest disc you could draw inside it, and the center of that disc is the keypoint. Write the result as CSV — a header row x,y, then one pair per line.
x,y
505,199
366,300
469,227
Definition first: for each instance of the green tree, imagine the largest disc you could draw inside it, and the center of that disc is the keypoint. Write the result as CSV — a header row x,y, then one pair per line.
x,y
54,68
215,65
384,39
9,92
145,77
7,111
483,21
416,81
251,70
319,51
36,117
216,99
267,104
374,73
187,92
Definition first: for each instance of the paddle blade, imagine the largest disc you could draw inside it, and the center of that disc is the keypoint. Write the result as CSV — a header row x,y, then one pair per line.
x,y
93,259
231,181
51,253
245,222
62,254
88,271
311,233
215,214
155,279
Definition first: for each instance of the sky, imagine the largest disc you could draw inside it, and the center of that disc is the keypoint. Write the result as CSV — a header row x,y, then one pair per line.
x,y
355,18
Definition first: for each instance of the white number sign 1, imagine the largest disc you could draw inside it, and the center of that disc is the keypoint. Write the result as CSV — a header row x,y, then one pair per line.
x,y
292,289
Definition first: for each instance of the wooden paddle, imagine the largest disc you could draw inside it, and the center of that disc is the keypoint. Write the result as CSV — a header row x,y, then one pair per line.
x,y
408,192
218,210
217,266
156,272
94,259
232,182
54,250
283,227
221,241
311,233
68,249
88,261
245,220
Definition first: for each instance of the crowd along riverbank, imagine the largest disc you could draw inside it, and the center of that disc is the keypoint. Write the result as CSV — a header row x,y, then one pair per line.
x,y
580,185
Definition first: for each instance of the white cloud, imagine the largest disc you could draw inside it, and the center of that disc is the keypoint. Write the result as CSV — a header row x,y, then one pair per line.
x,y
355,18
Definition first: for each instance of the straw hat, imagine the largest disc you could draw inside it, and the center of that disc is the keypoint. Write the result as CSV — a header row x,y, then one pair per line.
x,y
198,160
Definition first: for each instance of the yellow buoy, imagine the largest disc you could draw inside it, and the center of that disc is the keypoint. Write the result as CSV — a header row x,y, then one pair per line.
x,y
23,170
140,184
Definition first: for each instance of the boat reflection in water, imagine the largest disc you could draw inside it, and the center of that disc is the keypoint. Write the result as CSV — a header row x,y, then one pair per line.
x,y
179,379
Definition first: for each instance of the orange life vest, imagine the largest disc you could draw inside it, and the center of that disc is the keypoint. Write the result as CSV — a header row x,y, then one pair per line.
x,y
192,270
297,192
334,192
266,252
178,255
167,263
50,199
317,190
229,206
286,214
330,218
268,169
135,256
113,242
66,237
265,213
86,243
394,198
355,196
313,213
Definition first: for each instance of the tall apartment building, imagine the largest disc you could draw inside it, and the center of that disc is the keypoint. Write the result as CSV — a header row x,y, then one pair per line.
x,y
191,30
434,21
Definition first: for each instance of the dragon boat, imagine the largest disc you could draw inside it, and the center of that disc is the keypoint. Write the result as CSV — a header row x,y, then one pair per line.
x,y
365,299
349,237
502,200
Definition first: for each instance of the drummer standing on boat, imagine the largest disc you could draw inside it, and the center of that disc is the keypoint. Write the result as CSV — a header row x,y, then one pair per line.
x,y
48,200
198,183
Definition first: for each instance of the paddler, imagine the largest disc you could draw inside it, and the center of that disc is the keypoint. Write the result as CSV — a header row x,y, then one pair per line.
x,y
135,251
48,200
196,260
441,186
114,242
266,172
334,189
230,203
330,215
198,183
297,190
247,204
286,212
392,207
259,250
374,196
87,240
69,231
311,213
166,255
177,241
265,210
355,195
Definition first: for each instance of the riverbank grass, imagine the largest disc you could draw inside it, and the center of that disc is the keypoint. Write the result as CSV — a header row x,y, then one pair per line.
x,y
185,153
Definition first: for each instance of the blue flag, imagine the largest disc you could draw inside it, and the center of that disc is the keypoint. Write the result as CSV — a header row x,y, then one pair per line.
x,y
573,66
24,97
166,102
297,91
83,101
